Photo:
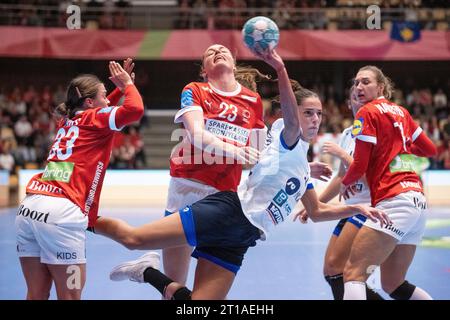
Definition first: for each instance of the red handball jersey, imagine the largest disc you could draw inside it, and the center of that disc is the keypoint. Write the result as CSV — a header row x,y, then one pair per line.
x,y
231,116
391,130
81,151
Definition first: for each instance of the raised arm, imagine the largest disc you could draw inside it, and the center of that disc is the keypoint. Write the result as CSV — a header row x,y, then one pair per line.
x,y
115,95
133,106
289,107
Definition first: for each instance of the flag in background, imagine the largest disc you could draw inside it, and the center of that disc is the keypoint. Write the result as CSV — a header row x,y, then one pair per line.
x,y
405,31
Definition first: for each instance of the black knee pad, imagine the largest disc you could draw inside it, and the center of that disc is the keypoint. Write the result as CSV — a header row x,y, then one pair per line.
x,y
403,292
182,294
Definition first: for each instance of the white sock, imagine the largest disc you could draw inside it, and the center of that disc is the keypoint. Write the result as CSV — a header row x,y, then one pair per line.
x,y
355,290
420,294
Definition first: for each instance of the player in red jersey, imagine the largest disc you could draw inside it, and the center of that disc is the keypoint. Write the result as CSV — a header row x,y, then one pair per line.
x,y
63,201
386,139
218,115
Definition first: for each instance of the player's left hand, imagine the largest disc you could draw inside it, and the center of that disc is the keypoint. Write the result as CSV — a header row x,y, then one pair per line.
x,y
119,76
302,216
128,66
320,171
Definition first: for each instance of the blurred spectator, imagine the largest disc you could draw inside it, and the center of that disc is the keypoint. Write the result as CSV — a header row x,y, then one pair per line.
x,y
23,130
6,159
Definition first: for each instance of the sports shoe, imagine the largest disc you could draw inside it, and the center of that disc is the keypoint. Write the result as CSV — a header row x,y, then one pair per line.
x,y
134,270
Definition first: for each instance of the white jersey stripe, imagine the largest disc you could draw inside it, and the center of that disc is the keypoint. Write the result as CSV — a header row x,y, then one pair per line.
x,y
112,120
367,139
184,110
416,133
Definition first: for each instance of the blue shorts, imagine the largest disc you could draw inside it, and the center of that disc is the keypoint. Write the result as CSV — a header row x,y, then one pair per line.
x,y
219,229
358,220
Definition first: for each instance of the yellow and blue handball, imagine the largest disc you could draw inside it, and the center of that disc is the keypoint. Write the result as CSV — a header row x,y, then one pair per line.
x,y
260,34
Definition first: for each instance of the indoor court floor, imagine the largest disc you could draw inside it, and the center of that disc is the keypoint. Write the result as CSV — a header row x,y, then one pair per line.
x,y
287,266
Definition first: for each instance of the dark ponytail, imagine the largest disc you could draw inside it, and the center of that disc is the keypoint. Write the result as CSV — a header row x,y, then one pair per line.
x,y
80,88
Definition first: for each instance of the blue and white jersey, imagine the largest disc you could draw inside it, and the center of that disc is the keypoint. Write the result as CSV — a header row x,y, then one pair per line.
x,y
362,194
276,183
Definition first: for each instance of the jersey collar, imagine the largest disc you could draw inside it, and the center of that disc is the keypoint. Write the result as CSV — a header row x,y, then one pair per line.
x,y
225,93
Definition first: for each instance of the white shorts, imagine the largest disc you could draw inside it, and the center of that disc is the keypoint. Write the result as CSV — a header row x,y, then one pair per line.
x,y
407,212
183,192
51,228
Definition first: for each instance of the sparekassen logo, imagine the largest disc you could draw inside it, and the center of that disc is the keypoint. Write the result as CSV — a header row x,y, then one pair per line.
x,y
357,127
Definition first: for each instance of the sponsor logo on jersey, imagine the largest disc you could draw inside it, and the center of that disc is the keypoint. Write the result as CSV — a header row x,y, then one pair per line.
x,y
36,185
280,198
105,110
419,204
58,171
66,255
357,127
91,197
228,131
274,213
406,163
410,184
186,98
33,214
287,207
292,186
395,230
357,187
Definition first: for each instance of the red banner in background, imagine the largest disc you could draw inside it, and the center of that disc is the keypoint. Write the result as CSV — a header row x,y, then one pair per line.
x,y
316,45
63,43
190,44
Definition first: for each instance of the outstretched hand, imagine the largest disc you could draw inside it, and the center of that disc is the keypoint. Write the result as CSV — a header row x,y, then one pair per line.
x,y
128,66
302,216
346,191
119,76
272,58
333,149
320,171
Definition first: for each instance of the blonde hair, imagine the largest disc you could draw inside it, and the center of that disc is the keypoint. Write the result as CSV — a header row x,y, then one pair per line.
x,y
381,79
79,89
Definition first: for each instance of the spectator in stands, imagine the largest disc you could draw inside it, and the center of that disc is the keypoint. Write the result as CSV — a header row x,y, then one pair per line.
x,y
6,159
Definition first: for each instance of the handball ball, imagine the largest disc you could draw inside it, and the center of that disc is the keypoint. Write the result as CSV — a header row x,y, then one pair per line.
x,y
260,34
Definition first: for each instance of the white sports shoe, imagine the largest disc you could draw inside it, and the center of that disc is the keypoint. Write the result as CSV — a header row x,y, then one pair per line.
x,y
134,270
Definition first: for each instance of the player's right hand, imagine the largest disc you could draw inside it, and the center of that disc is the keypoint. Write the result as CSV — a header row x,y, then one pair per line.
x,y
302,216
375,215
272,58
333,149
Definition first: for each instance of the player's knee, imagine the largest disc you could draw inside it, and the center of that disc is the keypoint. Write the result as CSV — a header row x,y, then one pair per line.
x,y
352,272
38,294
131,242
334,264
